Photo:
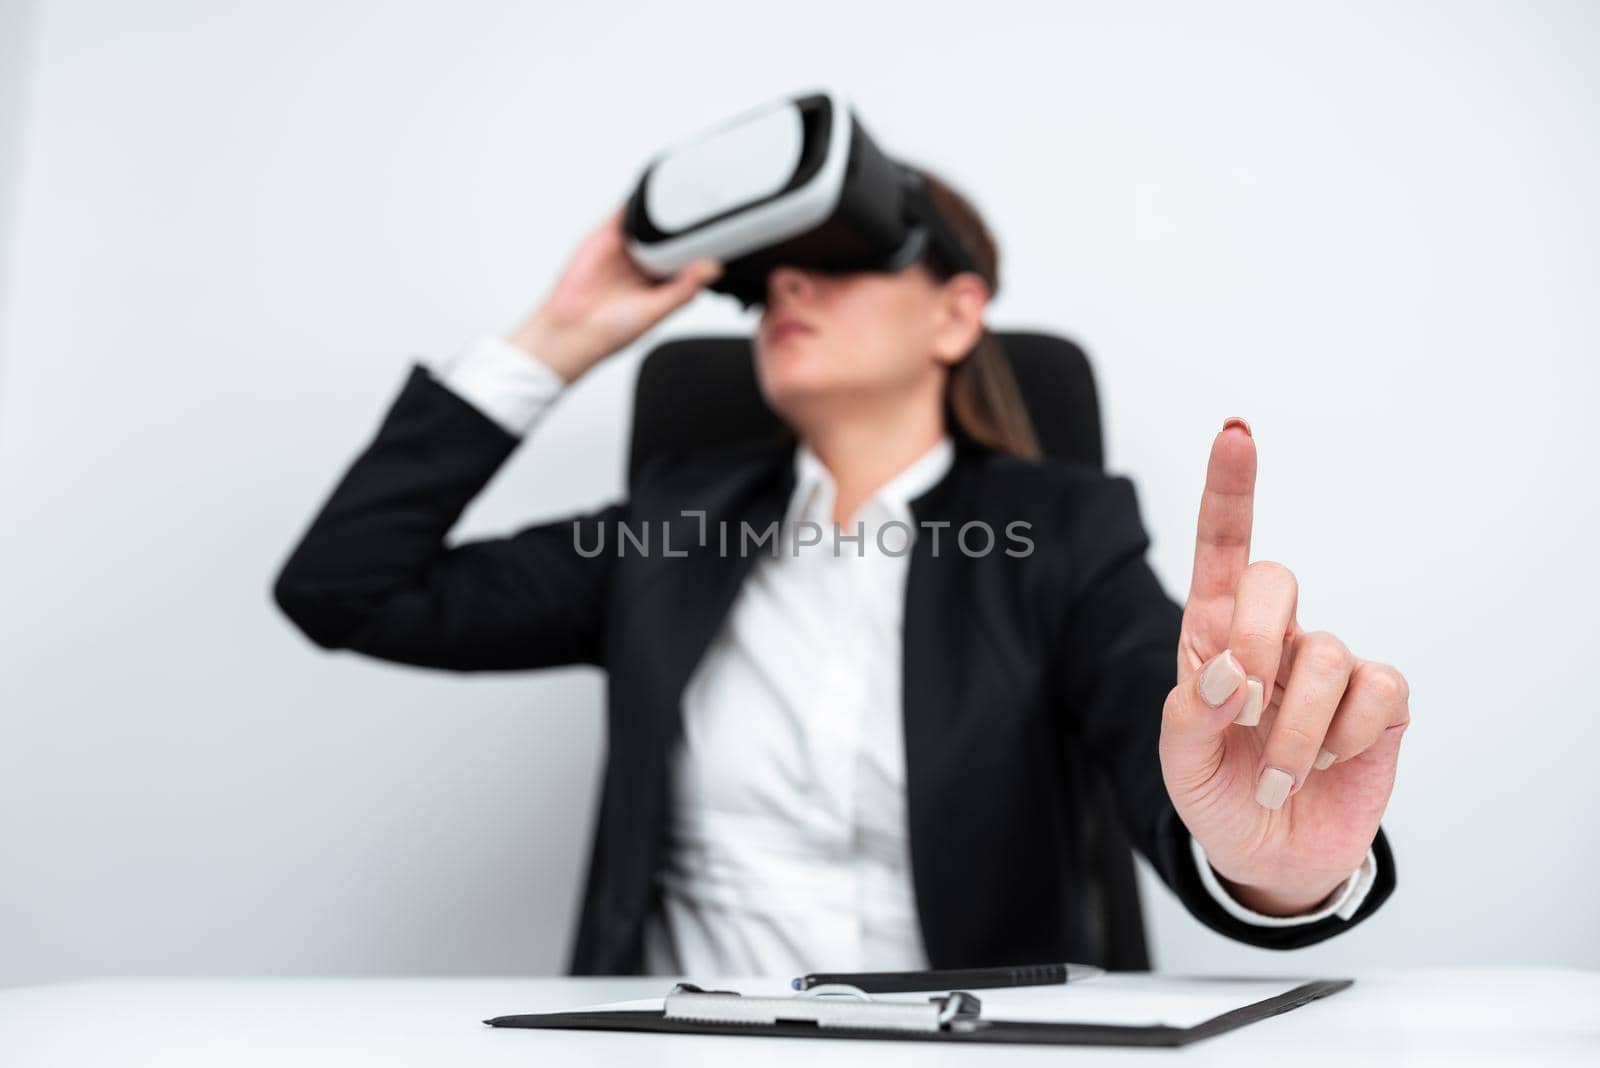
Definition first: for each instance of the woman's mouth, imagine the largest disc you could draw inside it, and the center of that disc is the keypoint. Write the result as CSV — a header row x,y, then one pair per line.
x,y
784,329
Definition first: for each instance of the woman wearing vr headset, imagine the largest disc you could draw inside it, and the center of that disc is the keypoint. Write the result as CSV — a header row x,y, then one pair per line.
x,y
862,752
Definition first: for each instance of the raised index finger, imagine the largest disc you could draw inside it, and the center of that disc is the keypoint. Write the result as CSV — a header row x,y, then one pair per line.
x,y
1222,539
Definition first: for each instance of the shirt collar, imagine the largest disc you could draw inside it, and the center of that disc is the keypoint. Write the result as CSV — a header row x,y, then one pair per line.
x,y
814,487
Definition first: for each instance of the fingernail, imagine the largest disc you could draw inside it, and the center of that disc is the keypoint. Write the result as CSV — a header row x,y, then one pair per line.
x,y
1220,678
1254,698
1324,759
1273,787
1234,420
710,270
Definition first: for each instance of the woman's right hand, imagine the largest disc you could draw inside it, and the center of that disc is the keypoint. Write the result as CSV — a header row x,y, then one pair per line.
x,y
602,302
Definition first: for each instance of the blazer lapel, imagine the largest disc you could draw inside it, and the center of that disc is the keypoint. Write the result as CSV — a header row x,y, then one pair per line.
x,y
933,636
690,595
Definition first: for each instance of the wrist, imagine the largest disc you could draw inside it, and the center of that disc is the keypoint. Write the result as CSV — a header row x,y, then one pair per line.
x,y
1278,900
558,349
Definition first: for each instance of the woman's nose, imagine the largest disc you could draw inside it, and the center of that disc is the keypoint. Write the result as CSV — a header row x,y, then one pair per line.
x,y
787,282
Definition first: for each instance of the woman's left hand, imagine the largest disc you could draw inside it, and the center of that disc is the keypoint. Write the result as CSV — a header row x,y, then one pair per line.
x,y
1278,745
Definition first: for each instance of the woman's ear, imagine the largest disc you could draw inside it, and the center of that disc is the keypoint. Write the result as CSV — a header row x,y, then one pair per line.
x,y
963,299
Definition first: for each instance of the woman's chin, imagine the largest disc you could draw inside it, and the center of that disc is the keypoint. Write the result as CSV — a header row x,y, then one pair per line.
x,y
792,374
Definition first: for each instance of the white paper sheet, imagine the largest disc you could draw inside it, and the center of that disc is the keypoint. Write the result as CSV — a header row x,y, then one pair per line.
x,y
1132,999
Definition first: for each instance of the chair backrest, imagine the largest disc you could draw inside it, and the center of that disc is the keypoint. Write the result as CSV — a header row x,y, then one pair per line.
x,y
695,392
699,391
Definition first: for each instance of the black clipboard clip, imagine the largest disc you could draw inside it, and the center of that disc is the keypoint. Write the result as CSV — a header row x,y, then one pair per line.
x,y
833,1005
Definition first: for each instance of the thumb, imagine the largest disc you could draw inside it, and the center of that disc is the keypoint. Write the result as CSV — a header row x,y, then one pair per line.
x,y
1197,715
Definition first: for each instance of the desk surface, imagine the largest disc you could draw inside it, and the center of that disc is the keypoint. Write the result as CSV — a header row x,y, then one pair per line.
x,y
1440,1016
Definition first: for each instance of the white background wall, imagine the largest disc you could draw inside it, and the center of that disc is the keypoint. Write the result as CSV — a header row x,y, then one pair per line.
x,y
1369,228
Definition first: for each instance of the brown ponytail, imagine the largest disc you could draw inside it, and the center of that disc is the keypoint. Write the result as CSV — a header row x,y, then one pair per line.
x,y
981,397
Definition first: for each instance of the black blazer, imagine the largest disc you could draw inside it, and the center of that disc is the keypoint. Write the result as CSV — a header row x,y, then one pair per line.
x,y
1012,664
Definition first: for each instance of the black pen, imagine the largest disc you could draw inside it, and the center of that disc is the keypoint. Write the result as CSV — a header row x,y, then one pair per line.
x,y
952,978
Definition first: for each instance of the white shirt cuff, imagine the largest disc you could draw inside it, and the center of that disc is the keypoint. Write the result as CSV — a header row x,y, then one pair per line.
x,y
501,380
1343,903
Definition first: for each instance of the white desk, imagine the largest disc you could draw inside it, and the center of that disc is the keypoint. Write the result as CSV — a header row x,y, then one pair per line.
x,y
1511,1016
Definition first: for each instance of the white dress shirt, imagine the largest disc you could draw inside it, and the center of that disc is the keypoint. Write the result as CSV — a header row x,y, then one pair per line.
x,y
788,835
788,838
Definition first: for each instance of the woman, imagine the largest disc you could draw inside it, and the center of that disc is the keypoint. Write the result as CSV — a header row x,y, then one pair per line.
x,y
851,751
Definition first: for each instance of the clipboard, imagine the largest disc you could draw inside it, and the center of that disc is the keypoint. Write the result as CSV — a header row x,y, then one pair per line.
x,y
958,1014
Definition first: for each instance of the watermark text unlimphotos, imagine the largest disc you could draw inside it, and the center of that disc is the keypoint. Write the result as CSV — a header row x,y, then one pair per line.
x,y
893,538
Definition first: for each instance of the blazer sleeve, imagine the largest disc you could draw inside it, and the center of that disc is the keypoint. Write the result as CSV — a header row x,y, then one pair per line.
x,y
1120,648
372,573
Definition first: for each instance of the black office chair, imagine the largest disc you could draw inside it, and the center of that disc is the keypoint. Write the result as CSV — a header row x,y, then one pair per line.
x,y
702,391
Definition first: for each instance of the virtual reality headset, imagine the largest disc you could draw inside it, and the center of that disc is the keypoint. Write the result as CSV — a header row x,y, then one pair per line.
x,y
796,182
